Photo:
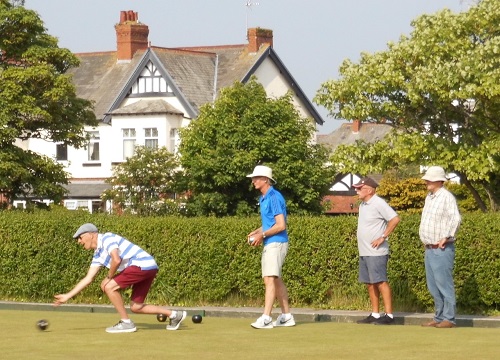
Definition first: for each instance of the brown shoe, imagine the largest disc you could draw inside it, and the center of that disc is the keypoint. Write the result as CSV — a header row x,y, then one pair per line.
x,y
445,324
432,323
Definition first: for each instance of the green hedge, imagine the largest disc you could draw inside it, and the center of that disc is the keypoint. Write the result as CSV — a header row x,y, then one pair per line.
x,y
206,261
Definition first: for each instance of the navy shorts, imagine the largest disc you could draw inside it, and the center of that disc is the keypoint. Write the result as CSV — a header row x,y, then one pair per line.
x,y
373,269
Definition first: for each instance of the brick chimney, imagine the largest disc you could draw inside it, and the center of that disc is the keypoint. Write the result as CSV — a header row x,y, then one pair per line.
x,y
131,35
257,37
356,124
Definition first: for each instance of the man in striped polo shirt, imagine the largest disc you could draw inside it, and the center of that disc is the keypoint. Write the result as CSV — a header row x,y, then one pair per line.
x,y
128,266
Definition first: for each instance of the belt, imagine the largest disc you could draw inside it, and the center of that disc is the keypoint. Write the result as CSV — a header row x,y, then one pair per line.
x,y
432,246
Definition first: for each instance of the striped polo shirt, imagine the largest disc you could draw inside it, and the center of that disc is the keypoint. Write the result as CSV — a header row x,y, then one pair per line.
x,y
130,253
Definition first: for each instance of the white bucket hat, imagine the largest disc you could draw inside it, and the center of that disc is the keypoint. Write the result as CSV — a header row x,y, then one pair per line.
x,y
261,170
435,173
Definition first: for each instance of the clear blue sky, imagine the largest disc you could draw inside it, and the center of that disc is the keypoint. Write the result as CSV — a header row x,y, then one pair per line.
x,y
312,37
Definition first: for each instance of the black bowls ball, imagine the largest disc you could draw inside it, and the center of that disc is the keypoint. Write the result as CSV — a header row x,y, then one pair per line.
x,y
197,319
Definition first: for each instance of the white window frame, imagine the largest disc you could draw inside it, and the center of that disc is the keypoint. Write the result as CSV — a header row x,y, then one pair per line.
x,y
151,138
70,204
174,140
129,139
93,145
150,81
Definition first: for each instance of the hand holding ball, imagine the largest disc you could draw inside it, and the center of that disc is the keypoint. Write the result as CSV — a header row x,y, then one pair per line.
x,y
197,319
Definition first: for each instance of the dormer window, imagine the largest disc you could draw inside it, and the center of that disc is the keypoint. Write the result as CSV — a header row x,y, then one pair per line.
x,y
151,82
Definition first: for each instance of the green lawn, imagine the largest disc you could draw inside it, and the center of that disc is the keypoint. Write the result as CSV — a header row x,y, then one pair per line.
x,y
82,336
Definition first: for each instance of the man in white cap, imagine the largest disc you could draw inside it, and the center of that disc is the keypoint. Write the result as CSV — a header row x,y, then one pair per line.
x,y
128,266
273,234
438,227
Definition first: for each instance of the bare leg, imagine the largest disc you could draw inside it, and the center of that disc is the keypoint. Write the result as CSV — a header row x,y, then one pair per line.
x,y
112,290
149,309
374,294
282,295
385,290
270,295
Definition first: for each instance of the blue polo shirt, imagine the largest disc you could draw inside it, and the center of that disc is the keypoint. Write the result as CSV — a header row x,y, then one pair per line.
x,y
272,204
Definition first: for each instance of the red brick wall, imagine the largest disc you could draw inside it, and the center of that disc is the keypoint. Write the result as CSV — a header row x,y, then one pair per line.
x,y
131,35
258,37
341,204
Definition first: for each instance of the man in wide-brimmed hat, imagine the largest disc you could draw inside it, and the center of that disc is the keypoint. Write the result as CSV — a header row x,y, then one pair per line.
x,y
438,227
273,234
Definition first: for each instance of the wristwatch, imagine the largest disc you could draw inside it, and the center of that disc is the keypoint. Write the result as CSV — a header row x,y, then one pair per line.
x,y
263,235
385,236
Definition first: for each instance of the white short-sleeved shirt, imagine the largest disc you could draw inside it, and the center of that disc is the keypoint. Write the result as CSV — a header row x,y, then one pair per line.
x,y
372,222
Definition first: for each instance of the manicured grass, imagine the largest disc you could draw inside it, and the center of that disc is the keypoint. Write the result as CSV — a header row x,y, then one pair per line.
x,y
82,336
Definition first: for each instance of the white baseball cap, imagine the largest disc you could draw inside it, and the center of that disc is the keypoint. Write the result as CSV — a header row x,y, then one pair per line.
x,y
261,170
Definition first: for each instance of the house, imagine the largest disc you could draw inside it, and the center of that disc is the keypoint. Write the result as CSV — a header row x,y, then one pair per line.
x,y
342,198
144,94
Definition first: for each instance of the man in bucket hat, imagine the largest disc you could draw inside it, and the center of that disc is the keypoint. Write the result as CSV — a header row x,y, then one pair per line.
x,y
273,234
376,221
438,227
128,266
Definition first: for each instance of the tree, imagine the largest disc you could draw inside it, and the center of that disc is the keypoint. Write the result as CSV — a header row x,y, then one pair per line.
x,y
145,183
440,87
398,152
37,101
241,129
23,171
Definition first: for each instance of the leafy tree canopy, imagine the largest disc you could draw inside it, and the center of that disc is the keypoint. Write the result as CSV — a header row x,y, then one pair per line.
x,y
22,171
244,128
37,100
145,183
440,86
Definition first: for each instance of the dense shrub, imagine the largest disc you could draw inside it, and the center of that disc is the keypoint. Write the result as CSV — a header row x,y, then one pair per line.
x,y
207,261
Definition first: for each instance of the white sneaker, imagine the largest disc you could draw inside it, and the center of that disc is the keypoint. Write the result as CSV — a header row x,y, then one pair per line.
x,y
122,327
281,320
176,322
262,323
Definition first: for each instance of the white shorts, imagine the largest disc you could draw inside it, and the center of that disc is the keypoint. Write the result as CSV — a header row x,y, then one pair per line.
x,y
273,258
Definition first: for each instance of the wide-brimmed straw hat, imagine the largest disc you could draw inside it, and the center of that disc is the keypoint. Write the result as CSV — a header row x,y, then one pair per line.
x,y
435,173
261,170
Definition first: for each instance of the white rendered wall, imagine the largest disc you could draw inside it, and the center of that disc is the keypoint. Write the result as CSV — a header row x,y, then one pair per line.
x,y
275,84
